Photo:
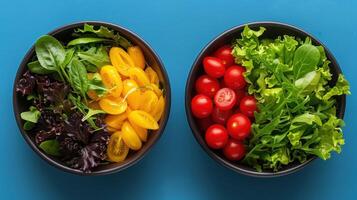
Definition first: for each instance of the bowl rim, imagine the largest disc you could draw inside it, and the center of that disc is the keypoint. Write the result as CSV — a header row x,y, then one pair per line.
x,y
194,128
58,165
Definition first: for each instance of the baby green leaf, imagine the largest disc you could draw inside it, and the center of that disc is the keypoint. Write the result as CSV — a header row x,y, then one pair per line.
x,y
86,40
306,58
36,67
78,77
32,115
51,147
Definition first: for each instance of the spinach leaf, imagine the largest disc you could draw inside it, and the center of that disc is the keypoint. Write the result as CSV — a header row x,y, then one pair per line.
x,y
78,77
35,67
86,40
51,147
50,53
32,115
28,125
104,32
306,58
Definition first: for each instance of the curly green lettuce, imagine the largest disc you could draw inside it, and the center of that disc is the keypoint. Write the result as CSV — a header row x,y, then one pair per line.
x,y
292,82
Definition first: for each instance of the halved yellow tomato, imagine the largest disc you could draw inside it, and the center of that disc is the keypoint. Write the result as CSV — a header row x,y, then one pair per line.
x,y
121,60
149,101
142,132
152,75
116,121
137,56
112,80
159,109
139,76
130,137
129,85
155,88
117,149
143,119
114,106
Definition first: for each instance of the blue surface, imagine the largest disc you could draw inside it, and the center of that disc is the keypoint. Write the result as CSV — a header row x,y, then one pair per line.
x,y
177,168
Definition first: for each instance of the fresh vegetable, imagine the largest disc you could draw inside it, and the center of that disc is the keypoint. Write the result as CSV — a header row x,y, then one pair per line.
x,y
207,85
220,116
225,54
225,99
201,106
238,126
216,136
81,92
233,78
248,105
213,66
234,150
296,95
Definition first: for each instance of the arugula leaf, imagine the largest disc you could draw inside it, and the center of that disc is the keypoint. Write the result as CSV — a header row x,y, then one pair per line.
x,y
51,147
104,32
91,113
32,115
97,56
97,85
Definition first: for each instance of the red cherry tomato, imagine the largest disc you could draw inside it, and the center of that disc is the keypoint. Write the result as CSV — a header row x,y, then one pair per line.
x,y
238,126
204,123
225,99
234,78
225,53
201,106
220,116
240,95
207,85
213,66
248,105
234,150
216,136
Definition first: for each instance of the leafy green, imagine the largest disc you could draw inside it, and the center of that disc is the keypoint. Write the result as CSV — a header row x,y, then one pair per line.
x,y
51,147
97,85
104,32
50,53
86,40
78,77
292,82
97,56
36,67
32,115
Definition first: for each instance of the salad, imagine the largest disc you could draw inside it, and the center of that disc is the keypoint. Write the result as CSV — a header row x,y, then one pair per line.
x,y
92,100
269,102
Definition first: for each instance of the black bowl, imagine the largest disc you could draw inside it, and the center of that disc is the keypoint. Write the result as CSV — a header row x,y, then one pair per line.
x,y
64,34
274,29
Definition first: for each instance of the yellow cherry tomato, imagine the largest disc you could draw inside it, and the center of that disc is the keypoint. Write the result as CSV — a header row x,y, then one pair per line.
x,y
121,60
159,109
117,149
115,121
137,56
149,101
114,106
139,76
152,75
112,80
130,137
142,132
143,119
128,85
155,88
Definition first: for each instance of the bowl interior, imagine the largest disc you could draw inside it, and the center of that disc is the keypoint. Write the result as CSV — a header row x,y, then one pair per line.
x,y
273,30
64,34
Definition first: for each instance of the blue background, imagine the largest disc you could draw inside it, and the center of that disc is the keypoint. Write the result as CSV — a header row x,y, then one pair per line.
x,y
177,167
